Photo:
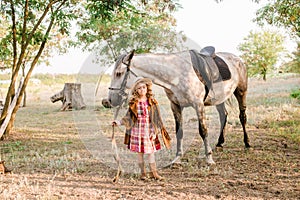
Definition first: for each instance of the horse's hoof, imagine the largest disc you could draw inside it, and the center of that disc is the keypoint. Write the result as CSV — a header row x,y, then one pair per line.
x,y
209,160
248,149
247,145
176,160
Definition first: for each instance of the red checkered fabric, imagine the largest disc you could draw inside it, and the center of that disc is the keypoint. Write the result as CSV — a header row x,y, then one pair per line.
x,y
142,133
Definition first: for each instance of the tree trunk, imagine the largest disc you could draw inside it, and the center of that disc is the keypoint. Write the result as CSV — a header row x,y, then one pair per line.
x,y
23,75
1,106
7,123
264,76
24,99
70,96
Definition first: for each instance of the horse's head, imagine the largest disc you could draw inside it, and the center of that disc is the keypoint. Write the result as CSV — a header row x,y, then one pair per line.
x,y
122,79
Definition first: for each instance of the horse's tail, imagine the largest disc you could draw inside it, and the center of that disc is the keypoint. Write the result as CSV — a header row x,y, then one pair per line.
x,y
243,68
229,102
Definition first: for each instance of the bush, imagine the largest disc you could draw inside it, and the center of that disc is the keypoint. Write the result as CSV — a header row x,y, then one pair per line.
x,y
295,94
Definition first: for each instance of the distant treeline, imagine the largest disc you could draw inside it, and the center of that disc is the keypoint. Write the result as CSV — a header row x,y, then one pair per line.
x,y
49,79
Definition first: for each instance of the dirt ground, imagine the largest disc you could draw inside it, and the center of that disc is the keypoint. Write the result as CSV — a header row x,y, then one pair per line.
x,y
50,161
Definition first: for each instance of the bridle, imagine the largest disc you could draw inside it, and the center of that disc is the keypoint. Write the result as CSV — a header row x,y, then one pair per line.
x,y
121,89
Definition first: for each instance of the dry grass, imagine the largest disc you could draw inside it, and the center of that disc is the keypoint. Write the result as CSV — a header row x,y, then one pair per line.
x,y
59,155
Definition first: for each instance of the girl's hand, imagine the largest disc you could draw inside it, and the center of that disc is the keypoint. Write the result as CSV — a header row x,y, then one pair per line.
x,y
152,136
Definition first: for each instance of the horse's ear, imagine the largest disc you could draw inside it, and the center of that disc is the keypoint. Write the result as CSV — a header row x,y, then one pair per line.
x,y
129,56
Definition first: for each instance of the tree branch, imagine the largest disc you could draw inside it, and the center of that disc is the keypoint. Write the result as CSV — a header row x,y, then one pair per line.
x,y
24,24
43,44
14,31
32,33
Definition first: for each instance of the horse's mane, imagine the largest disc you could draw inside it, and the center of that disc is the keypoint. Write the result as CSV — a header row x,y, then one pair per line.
x,y
118,63
118,69
119,60
160,54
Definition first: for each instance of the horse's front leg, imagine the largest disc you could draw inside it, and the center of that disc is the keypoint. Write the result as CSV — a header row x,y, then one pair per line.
x,y
177,113
203,133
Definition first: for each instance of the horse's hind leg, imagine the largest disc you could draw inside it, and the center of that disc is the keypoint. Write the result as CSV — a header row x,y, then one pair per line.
x,y
204,134
241,98
223,121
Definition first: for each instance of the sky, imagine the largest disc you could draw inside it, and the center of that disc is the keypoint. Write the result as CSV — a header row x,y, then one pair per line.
x,y
223,25
207,23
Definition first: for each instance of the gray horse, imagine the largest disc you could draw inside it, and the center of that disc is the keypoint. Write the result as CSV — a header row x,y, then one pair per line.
x,y
186,85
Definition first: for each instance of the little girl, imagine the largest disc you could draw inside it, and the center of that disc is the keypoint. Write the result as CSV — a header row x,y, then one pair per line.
x,y
143,123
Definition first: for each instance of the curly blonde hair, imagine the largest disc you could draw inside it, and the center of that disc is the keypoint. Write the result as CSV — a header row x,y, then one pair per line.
x,y
148,84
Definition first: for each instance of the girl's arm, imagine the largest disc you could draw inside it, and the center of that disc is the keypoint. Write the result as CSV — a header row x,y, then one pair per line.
x,y
127,120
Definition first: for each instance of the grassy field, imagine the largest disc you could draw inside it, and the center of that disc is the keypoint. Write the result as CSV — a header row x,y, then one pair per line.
x,y
67,155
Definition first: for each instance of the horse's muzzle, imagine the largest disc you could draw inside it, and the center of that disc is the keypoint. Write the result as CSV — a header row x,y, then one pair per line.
x,y
106,103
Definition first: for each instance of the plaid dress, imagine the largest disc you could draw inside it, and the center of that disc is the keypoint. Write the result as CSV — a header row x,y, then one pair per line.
x,y
142,133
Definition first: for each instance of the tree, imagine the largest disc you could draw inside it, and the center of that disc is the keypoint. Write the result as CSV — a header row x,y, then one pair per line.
x,y
30,25
57,39
294,65
281,13
260,51
284,14
3,51
151,28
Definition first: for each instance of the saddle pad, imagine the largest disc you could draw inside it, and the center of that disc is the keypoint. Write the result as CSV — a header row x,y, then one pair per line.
x,y
223,68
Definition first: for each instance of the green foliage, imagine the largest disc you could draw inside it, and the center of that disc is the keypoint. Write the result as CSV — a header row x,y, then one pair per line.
x,y
256,1
260,51
32,20
12,147
295,94
281,13
144,25
294,65
288,128
30,32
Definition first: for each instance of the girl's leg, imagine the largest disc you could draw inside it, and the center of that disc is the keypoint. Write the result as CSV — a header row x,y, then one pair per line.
x,y
140,157
142,166
151,158
152,163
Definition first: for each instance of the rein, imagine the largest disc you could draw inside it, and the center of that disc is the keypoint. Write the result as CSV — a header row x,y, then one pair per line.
x,y
124,96
115,148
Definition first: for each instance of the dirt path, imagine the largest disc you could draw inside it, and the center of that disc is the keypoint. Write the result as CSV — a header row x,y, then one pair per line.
x,y
49,161
269,171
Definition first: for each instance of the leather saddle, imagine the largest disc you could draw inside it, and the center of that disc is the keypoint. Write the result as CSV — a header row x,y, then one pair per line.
x,y
211,67
208,51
